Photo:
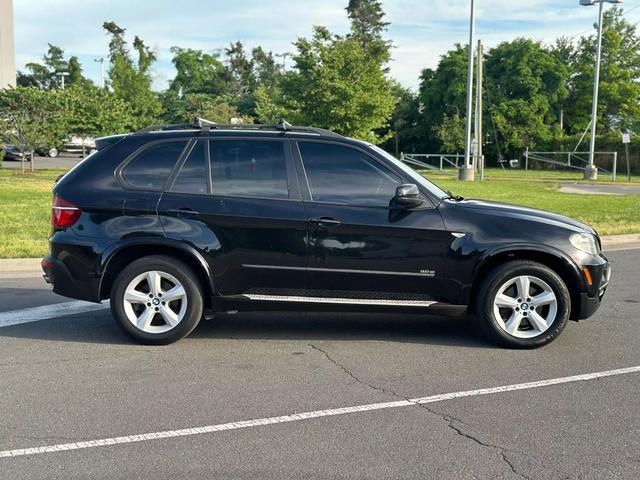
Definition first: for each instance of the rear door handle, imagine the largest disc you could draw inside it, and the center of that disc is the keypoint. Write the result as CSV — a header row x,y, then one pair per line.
x,y
325,222
182,212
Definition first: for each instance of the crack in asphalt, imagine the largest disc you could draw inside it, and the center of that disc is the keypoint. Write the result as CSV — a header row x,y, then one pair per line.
x,y
443,416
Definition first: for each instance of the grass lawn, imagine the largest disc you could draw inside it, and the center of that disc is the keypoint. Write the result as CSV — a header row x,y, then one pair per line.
x,y
25,212
25,206
561,175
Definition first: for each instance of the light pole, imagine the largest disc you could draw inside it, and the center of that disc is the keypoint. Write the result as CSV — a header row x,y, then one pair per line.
x,y
62,75
467,172
100,60
591,173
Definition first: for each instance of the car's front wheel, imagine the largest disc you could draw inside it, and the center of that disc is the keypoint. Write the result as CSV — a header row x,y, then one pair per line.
x,y
157,300
523,304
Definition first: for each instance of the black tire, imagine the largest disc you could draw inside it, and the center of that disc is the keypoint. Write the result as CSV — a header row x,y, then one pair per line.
x,y
502,274
180,271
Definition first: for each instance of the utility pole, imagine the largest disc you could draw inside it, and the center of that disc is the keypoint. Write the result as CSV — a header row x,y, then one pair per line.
x,y
466,172
100,60
591,172
478,115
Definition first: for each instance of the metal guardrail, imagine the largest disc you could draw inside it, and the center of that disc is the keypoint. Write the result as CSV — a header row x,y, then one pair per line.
x,y
443,161
573,160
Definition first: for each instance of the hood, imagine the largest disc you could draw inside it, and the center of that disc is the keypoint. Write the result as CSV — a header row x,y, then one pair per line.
x,y
525,213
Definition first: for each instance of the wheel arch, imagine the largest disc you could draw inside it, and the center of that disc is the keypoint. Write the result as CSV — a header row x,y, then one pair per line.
x,y
116,258
556,260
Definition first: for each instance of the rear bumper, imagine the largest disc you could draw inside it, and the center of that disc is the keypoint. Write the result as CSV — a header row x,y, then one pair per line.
x,y
64,283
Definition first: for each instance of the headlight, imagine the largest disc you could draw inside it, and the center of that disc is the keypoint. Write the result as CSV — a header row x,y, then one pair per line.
x,y
585,242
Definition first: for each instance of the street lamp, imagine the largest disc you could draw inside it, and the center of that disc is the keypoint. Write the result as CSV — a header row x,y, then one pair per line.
x,y
467,172
591,173
62,75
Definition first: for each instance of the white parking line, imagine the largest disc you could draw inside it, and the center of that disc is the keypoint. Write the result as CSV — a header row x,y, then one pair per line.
x,y
143,437
35,314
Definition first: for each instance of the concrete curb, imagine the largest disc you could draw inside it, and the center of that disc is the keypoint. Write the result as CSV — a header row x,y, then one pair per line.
x,y
20,264
33,264
631,240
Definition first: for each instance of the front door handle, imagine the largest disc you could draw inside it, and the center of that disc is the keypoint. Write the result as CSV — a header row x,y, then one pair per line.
x,y
325,222
182,212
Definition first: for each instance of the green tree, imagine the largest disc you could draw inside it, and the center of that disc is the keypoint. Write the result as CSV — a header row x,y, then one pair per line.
x,y
619,91
368,25
218,109
338,86
442,92
404,124
33,118
44,75
93,112
131,80
451,133
240,69
526,82
198,72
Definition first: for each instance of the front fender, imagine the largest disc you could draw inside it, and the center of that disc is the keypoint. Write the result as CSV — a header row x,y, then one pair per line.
x,y
517,248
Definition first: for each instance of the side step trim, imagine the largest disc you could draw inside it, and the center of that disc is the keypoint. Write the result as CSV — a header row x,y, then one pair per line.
x,y
349,301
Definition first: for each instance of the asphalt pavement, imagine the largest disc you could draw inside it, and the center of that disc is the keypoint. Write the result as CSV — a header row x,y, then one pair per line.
x,y
64,160
328,395
600,189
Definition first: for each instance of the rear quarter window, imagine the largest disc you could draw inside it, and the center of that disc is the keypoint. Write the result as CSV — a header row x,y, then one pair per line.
x,y
150,168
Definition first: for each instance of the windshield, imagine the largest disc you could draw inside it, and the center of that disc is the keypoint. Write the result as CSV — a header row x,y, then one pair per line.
x,y
419,179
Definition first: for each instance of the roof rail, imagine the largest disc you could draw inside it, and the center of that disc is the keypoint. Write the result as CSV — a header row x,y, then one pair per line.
x,y
206,125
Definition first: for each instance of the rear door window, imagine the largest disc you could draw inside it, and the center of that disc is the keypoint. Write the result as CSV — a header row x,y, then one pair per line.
x,y
150,169
249,168
192,177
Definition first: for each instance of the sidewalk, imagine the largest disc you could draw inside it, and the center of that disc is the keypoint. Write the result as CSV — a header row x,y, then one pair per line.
x,y
32,265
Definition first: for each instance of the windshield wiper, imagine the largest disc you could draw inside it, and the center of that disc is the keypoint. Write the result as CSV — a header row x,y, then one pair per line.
x,y
451,196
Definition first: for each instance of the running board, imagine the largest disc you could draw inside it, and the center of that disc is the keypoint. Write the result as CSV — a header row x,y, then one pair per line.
x,y
339,301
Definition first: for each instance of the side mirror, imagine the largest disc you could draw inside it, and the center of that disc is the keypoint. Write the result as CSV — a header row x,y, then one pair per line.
x,y
407,196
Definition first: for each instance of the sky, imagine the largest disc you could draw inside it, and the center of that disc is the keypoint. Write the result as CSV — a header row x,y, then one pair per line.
x,y
421,30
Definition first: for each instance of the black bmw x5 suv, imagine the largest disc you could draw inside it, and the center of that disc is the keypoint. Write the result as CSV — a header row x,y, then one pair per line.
x,y
173,222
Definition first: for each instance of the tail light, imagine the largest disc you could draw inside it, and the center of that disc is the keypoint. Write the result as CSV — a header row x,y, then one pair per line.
x,y
64,213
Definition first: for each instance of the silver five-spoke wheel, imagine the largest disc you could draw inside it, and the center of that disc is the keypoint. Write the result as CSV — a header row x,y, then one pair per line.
x,y
525,306
155,302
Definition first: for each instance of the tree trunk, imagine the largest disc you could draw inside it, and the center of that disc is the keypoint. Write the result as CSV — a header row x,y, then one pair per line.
x,y
31,158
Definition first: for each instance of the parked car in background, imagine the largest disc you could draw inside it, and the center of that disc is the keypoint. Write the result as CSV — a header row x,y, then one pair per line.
x,y
15,153
80,146
173,221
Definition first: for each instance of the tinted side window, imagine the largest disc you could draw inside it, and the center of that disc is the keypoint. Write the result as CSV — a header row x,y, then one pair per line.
x,y
340,174
249,168
152,166
192,177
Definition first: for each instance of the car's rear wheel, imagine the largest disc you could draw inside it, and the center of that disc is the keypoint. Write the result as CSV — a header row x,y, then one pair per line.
x,y
523,304
157,300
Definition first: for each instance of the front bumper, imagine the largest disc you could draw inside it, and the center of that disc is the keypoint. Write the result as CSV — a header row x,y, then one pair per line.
x,y
590,300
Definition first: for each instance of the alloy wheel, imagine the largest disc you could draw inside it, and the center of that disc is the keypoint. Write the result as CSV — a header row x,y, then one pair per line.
x,y
525,306
155,302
